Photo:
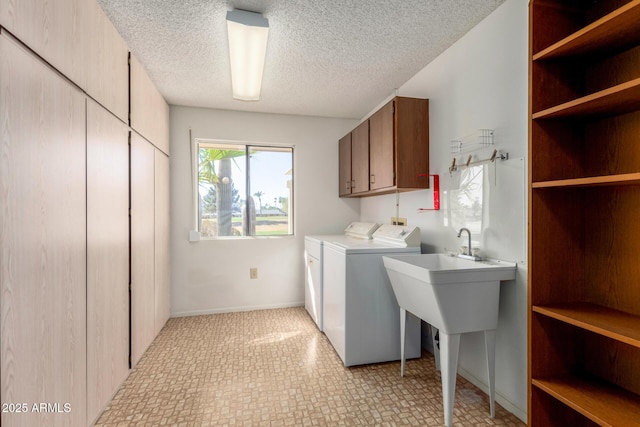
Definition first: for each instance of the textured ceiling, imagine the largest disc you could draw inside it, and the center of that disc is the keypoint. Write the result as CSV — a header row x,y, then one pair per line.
x,y
332,58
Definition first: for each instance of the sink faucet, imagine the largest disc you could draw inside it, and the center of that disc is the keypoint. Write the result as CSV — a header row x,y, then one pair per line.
x,y
469,233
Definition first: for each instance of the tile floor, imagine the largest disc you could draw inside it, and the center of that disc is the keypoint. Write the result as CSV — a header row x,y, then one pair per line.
x,y
274,368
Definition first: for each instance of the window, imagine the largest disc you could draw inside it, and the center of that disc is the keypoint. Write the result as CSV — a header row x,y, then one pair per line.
x,y
244,190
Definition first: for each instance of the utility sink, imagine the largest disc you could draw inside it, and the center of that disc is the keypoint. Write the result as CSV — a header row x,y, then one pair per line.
x,y
455,296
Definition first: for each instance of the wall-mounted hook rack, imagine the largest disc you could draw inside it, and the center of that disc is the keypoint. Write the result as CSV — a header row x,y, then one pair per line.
x,y
496,154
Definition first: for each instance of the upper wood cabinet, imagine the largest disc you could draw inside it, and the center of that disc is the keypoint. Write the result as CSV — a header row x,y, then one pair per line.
x,y
107,63
360,159
584,199
344,165
381,144
353,161
55,30
397,149
149,111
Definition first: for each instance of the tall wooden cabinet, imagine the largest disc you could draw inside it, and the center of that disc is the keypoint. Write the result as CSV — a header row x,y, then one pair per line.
x,y
107,256
150,273
42,241
162,272
389,151
142,246
584,202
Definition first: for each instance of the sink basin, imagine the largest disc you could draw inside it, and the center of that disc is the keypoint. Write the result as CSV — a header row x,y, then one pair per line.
x,y
453,294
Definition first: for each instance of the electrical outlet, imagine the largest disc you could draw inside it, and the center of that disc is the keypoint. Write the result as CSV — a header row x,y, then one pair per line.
x,y
398,221
253,273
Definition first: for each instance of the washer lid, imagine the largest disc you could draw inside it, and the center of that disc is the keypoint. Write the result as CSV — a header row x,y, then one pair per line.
x,y
362,230
398,235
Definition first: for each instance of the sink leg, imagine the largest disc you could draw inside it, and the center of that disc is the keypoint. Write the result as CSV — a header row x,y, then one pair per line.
x,y
403,326
449,346
490,346
436,346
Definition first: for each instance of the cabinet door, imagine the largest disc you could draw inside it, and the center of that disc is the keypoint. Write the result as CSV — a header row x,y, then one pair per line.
x,y
42,241
162,271
381,148
55,30
412,142
108,63
142,246
107,256
344,165
149,111
360,158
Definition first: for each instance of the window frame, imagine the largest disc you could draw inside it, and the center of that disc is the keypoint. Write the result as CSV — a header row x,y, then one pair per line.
x,y
200,142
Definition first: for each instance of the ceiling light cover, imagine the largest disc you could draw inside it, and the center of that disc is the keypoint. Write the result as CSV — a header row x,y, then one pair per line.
x,y
248,33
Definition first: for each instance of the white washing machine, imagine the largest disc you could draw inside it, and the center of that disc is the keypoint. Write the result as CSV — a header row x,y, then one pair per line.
x,y
361,313
313,263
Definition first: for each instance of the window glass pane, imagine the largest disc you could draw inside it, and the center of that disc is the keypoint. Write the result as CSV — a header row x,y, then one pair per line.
x,y
240,195
271,188
221,189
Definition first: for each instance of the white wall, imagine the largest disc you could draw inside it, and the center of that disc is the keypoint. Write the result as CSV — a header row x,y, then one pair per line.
x,y
213,276
480,82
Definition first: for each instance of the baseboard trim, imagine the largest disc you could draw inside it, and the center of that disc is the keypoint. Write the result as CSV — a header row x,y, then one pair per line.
x,y
500,399
235,309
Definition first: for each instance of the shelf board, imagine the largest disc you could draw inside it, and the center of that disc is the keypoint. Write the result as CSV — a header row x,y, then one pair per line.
x,y
611,323
594,181
619,99
602,403
619,28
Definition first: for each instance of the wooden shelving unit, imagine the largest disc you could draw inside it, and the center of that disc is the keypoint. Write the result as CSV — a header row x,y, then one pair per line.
x,y
584,205
602,404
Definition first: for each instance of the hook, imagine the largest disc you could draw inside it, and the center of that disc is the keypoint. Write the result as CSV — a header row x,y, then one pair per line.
x,y
493,156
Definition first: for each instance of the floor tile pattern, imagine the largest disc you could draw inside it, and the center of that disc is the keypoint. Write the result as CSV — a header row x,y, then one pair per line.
x,y
274,368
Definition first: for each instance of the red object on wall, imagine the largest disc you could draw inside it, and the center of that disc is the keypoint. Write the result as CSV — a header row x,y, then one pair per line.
x,y
436,193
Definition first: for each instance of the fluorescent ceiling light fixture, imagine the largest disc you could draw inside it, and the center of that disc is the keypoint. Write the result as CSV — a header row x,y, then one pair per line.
x,y
248,33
